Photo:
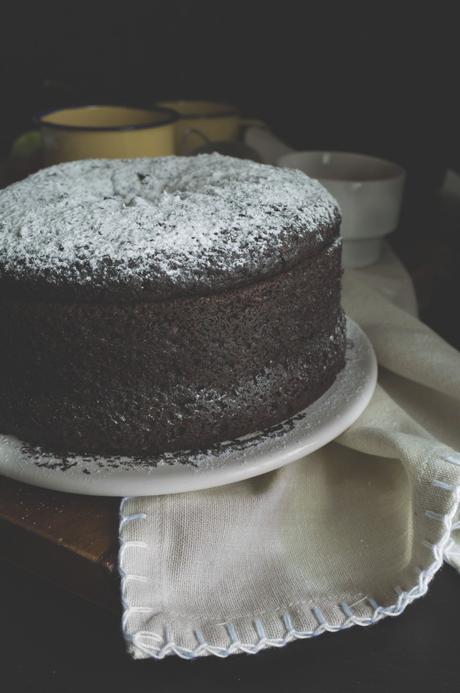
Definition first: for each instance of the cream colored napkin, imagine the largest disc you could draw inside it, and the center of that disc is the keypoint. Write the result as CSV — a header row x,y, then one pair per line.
x,y
346,536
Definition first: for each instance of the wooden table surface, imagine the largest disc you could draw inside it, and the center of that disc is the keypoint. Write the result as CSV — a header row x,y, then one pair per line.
x,y
67,539
72,540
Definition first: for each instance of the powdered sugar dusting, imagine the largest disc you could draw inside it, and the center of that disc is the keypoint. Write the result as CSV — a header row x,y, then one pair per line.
x,y
175,222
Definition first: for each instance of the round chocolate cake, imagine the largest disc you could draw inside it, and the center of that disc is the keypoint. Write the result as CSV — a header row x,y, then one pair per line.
x,y
152,305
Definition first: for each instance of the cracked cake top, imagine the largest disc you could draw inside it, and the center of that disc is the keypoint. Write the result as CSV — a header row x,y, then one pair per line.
x,y
158,228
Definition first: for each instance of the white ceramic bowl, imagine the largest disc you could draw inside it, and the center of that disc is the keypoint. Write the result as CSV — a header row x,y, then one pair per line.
x,y
369,192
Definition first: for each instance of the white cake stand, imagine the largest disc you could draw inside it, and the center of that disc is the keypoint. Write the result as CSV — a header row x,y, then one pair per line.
x,y
226,463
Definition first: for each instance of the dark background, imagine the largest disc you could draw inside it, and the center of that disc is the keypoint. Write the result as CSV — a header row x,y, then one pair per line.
x,y
370,78
367,77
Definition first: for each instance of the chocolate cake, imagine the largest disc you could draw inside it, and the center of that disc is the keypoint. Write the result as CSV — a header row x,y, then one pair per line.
x,y
152,305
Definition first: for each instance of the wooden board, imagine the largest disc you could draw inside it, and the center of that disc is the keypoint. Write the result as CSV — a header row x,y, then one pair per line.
x,y
67,539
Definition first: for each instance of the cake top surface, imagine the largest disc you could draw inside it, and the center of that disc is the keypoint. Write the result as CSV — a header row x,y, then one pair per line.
x,y
160,227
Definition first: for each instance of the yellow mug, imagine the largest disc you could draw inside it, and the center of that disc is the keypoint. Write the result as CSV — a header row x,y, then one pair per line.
x,y
112,132
201,122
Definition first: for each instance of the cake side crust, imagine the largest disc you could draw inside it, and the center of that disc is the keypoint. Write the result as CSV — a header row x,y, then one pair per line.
x,y
151,377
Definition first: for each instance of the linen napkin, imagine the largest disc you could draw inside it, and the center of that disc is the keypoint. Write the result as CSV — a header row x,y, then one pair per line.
x,y
346,536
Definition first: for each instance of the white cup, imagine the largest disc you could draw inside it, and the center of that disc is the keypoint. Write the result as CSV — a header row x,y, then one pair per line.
x,y
369,192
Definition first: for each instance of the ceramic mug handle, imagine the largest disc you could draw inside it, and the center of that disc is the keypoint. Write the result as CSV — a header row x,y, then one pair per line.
x,y
186,135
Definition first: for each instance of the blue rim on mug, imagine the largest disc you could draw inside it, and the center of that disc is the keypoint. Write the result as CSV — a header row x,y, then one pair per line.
x,y
169,117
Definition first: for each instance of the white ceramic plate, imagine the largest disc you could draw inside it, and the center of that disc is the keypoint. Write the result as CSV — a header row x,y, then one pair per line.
x,y
227,463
